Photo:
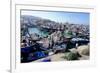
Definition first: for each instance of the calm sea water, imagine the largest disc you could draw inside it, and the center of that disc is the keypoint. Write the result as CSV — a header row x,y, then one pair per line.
x,y
41,33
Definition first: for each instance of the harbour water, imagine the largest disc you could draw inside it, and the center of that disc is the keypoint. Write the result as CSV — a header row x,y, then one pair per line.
x,y
35,30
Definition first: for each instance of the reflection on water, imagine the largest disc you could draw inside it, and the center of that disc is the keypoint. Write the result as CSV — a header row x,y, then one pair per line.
x,y
38,31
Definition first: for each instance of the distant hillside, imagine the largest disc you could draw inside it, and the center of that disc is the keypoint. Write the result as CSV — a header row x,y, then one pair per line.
x,y
31,21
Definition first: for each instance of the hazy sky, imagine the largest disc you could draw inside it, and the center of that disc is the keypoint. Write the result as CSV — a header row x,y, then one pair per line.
x,y
71,17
